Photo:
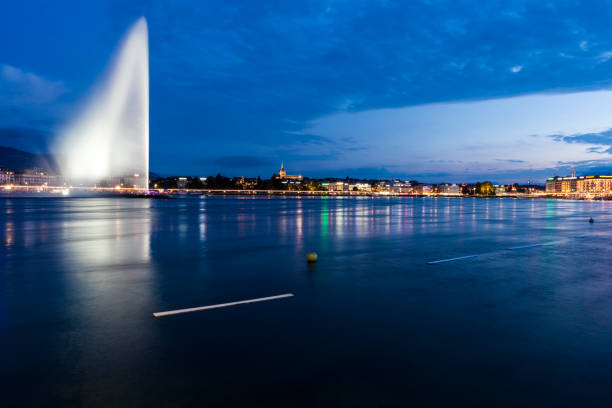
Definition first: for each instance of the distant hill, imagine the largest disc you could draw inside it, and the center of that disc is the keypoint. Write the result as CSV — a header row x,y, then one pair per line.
x,y
15,159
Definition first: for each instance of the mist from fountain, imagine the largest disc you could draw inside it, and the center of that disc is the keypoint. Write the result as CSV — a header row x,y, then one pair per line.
x,y
108,141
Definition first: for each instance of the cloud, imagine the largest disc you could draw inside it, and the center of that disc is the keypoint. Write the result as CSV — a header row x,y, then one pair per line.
x,y
305,138
493,134
584,167
584,45
30,108
604,56
516,68
603,140
18,87
357,172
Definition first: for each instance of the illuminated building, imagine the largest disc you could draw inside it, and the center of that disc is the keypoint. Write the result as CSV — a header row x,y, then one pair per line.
x,y
7,176
129,182
335,186
37,177
595,184
282,174
181,182
382,187
553,185
599,184
360,187
400,187
562,184
448,189
499,189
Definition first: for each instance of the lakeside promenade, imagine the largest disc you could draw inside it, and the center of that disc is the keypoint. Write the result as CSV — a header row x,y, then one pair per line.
x,y
95,191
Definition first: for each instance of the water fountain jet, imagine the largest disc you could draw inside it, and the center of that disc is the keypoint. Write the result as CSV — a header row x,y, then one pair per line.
x,y
107,144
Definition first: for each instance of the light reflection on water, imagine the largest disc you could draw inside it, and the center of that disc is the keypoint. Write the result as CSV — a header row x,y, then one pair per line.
x,y
80,278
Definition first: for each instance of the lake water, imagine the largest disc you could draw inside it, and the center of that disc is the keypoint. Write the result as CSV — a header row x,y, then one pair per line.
x,y
371,324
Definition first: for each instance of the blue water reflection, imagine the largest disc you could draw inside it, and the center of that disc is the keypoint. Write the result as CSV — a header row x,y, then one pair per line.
x,y
371,324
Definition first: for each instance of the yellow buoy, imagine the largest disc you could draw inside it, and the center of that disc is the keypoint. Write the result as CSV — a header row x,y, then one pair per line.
x,y
312,257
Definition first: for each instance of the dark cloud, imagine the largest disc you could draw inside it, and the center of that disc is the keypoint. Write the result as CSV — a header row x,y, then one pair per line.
x,y
309,138
511,160
584,167
359,172
602,139
21,88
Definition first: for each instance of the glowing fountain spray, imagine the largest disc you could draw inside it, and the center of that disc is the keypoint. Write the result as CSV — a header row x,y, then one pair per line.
x,y
108,143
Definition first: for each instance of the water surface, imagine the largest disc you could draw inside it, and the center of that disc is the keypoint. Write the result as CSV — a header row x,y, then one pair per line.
x,y
371,324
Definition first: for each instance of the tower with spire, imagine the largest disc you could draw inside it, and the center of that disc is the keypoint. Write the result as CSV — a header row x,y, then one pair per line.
x,y
282,174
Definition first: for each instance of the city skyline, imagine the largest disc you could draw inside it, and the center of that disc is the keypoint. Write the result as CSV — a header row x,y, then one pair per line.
x,y
492,95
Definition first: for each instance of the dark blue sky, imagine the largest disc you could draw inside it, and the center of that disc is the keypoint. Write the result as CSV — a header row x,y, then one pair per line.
x,y
360,88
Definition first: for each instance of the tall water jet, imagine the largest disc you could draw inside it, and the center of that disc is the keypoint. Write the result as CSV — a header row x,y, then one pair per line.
x,y
108,142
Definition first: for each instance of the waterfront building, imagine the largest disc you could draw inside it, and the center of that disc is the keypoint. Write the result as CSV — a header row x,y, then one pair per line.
x,y
7,176
246,182
382,187
282,174
561,184
129,182
36,177
337,186
596,184
551,185
360,187
569,184
451,189
400,187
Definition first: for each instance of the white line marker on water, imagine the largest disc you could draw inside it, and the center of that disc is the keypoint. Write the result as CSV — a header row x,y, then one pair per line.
x,y
525,246
452,259
241,302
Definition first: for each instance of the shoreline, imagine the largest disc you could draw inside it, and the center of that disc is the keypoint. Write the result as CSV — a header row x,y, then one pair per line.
x,y
171,194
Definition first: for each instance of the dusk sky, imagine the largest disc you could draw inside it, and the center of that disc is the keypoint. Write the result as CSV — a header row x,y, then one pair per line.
x,y
432,90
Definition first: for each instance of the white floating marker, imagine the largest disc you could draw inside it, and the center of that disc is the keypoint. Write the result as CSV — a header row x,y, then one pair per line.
x,y
452,259
240,302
